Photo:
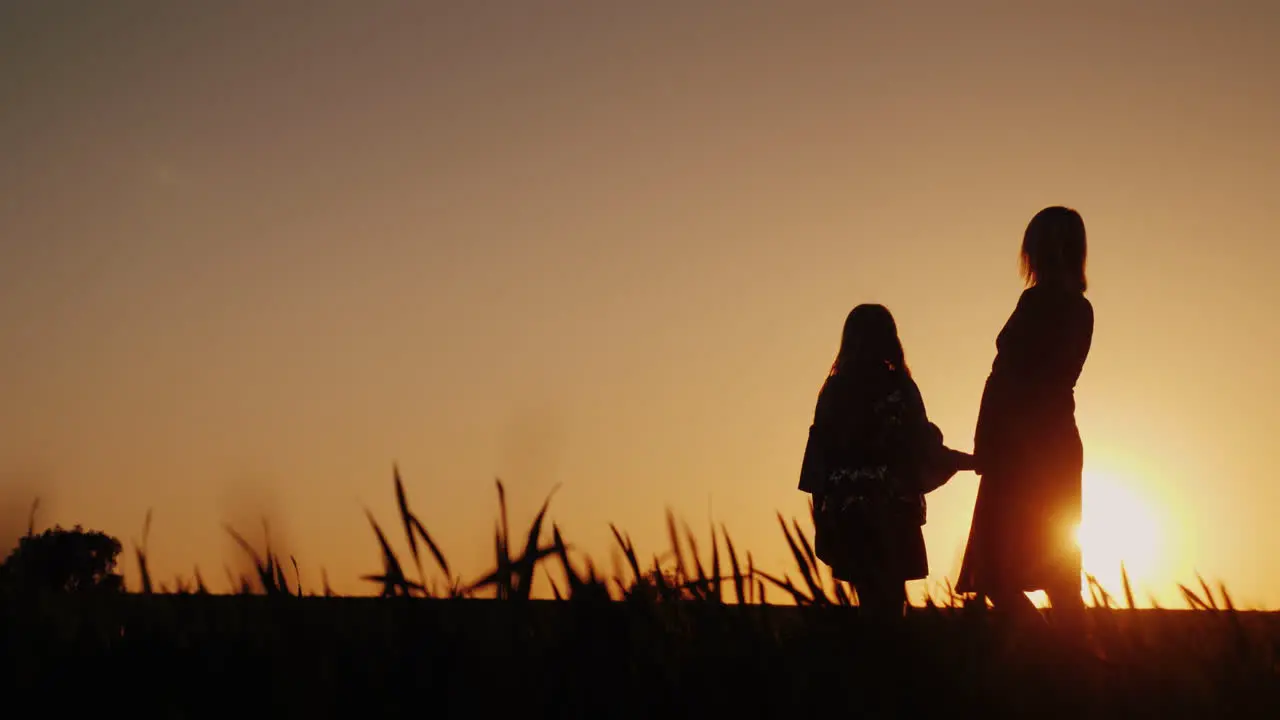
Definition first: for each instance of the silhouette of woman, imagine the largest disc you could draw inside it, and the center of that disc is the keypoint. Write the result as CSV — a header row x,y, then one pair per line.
x,y
871,457
1027,446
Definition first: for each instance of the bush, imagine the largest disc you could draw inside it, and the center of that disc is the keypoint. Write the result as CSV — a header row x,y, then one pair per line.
x,y
64,561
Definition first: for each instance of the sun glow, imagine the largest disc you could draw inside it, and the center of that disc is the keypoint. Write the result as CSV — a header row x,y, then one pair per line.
x,y
1118,527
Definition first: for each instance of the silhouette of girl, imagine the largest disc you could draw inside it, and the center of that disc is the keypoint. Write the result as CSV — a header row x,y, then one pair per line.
x,y
1027,447
872,456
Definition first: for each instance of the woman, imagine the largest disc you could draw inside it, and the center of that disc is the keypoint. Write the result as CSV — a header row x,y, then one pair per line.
x,y
872,455
1027,447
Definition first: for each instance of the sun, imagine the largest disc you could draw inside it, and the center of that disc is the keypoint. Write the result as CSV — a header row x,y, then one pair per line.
x,y
1118,526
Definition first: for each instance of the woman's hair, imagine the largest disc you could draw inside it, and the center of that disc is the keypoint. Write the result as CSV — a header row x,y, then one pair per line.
x,y
869,341
1054,249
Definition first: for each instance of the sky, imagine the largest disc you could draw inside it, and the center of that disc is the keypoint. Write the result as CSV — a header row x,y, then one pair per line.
x,y
252,255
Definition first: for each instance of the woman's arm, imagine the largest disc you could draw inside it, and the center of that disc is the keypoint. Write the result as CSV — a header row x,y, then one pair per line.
x,y
1041,342
1020,350
1040,352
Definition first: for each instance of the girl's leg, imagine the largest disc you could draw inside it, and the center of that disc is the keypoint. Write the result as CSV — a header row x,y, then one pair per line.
x,y
882,599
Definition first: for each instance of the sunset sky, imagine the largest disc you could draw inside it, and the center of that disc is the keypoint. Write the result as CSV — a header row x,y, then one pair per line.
x,y
254,253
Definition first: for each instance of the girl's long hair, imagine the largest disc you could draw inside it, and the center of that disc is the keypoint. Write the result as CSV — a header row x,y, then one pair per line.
x,y
869,343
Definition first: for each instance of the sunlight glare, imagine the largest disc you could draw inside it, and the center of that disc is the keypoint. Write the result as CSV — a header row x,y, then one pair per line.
x,y
1118,527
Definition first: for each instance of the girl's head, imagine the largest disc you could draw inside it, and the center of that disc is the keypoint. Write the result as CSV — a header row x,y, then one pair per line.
x,y
869,342
1054,249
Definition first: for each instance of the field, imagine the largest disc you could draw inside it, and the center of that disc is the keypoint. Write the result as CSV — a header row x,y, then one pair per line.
x,y
687,636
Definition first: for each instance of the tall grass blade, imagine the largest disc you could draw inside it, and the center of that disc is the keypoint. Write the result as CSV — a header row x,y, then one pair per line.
x,y
524,567
431,546
282,583
628,551
1227,603
786,585
244,545
1094,590
806,573
266,576
810,556
502,509
665,589
140,550
555,589
739,590
562,552
843,597
392,578
1193,600
502,548
716,580
31,517
701,583
1208,594
682,570
406,519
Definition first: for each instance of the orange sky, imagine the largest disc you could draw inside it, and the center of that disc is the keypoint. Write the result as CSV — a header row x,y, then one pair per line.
x,y
254,253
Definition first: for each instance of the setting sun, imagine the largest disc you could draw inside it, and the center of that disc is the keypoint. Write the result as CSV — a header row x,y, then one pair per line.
x,y
1118,527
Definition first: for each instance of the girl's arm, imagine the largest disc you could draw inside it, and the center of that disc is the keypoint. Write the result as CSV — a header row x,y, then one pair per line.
x,y
940,463
814,468
935,463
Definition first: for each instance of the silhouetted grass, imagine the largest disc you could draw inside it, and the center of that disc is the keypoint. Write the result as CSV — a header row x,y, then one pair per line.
x,y
689,631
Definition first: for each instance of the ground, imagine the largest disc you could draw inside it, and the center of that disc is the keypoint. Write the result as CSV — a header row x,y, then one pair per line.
x,y
187,656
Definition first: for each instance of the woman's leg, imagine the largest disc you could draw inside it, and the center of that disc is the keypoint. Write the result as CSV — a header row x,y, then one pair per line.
x,y
1013,603
1070,621
1019,622
1067,606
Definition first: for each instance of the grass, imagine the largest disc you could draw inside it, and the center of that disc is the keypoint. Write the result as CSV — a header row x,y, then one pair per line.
x,y
688,632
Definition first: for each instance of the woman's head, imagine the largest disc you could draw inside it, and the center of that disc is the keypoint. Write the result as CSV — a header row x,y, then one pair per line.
x,y
1054,249
869,341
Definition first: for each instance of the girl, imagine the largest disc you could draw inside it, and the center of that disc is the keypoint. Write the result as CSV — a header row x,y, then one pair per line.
x,y
872,456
